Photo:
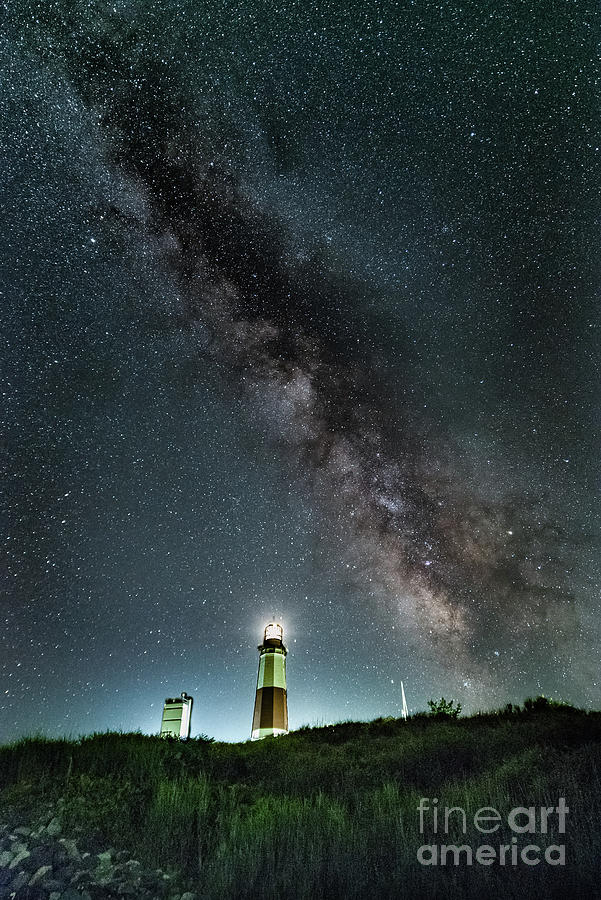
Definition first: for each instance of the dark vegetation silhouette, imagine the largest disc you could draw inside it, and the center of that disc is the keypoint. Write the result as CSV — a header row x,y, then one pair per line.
x,y
331,811
442,708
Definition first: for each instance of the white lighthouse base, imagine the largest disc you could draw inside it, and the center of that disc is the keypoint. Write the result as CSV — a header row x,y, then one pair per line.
x,y
260,733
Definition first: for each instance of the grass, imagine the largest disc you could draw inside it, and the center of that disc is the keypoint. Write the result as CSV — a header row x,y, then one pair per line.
x,y
329,812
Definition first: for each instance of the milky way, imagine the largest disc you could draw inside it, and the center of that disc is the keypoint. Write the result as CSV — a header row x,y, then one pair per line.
x,y
425,543
472,565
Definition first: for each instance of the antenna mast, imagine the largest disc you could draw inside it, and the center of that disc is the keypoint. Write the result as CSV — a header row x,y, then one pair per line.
x,y
404,711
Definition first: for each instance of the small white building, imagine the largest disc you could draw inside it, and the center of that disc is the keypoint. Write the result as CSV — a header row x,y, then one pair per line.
x,y
177,717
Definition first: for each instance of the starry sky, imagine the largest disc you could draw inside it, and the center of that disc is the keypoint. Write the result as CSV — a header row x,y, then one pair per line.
x,y
300,321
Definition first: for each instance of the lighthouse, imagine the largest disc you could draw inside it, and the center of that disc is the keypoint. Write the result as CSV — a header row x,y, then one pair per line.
x,y
271,706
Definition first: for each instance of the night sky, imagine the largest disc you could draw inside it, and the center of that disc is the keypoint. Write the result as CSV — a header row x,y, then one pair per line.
x,y
299,320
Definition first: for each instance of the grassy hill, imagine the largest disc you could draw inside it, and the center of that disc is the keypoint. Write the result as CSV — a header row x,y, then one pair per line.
x,y
332,812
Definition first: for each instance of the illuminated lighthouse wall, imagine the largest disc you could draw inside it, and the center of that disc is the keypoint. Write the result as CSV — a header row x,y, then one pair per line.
x,y
271,705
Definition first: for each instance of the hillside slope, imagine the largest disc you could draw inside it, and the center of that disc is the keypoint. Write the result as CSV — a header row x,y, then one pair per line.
x,y
333,812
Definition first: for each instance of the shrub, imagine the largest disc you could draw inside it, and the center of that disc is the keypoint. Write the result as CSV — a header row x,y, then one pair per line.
x,y
534,704
444,709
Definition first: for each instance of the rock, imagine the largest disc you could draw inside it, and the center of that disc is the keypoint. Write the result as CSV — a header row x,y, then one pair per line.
x,y
19,858
98,892
64,873
37,836
81,878
44,855
54,885
39,874
71,849
133,866
60,857
148,880
104,871
53,828
72,894
87,862
48,815
31,893
19,881
41,864
17,846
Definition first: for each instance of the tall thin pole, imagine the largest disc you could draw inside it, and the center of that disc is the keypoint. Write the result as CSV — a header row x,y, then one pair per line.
x,y
404,711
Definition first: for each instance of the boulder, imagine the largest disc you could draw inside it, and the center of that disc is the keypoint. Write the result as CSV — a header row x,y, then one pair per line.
x,y
70,849
55,885
38,836
53,829
20,857
100,892
80,879
105,870
16,845
149,880
31,893
41,864
43,855
39,874
133,866
65,873
19,881
73,894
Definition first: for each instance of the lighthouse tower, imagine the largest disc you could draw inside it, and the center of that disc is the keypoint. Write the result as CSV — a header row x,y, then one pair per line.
x,y
271,706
